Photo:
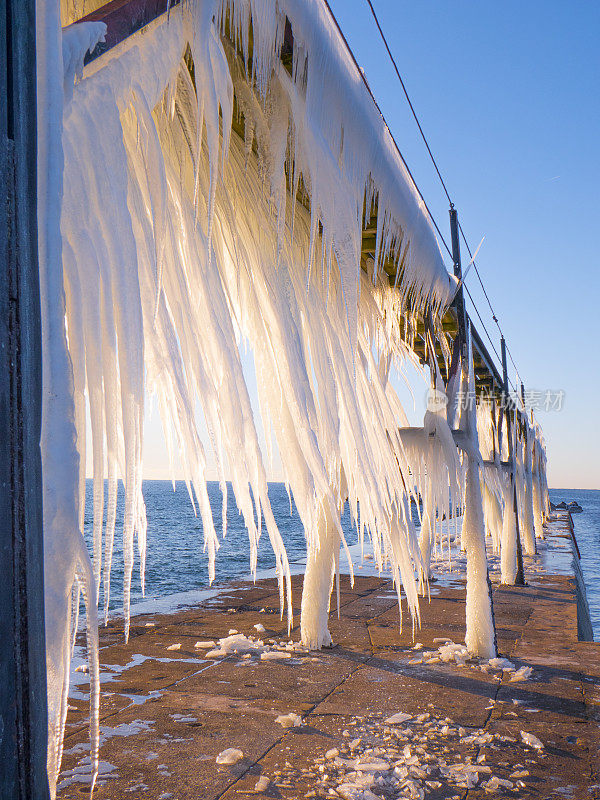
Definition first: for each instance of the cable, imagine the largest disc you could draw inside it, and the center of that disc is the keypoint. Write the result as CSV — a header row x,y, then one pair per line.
x,y
494,317
364,80
486,331
387,47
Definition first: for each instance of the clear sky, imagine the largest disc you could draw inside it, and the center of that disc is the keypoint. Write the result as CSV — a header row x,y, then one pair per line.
x,y
509,97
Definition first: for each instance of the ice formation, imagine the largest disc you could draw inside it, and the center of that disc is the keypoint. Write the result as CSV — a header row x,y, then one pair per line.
x,y
481,635
67,567
167,242
437,474
229,757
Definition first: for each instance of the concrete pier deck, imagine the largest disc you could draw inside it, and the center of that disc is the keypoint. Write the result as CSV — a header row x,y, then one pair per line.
x,y
167,713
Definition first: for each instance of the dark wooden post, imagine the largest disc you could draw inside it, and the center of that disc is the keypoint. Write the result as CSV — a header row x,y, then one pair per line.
x,y
23,707
520,576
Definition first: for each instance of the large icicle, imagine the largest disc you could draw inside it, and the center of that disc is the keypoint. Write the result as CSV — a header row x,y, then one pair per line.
x,y
538,473
66,560
480,637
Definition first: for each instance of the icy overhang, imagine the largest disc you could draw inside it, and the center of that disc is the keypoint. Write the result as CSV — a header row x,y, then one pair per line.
x,y
337,108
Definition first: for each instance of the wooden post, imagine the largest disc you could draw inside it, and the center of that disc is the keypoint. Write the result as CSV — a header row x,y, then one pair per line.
x,y
520,576
23,708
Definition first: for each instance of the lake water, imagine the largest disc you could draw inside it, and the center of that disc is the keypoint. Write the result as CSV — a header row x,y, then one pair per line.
x,y
176,561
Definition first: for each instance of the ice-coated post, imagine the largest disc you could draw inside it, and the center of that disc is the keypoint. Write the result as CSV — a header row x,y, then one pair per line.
x,y
459,300
23,708
520,576
480,635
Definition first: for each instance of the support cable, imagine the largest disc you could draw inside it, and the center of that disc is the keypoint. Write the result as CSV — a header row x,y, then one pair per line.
x,y
414,113
364,80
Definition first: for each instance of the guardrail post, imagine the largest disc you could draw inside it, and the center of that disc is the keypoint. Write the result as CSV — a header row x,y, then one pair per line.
x,y
520,576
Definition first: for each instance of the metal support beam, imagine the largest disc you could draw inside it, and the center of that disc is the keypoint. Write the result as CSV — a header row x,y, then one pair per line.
x,y
23,708
520,576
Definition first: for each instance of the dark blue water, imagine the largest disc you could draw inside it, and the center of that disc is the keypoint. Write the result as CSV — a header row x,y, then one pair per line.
x,y
587,532
176,562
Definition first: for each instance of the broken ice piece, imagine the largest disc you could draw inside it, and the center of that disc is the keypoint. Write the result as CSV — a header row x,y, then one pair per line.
x,y
352,791
500,663
262,784
274,655
531,740
522,674
398,719
259,627
290,720
229,757
496,783
174,647
204,645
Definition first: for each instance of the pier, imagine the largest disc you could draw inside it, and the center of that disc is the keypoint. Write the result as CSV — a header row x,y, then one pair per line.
x,y
208,211
167,712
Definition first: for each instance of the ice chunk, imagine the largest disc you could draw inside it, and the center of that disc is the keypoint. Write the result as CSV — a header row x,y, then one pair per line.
x,y
274,655
229,757
531,740
174,646
398,719
495,783
368,764
291,720
353,791
522,674
500,663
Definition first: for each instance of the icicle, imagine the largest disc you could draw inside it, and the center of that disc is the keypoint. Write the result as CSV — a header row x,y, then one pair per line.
x,y
526,497
508,549
480,637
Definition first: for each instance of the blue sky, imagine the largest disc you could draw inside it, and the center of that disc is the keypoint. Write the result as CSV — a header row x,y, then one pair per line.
x,y
508,95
